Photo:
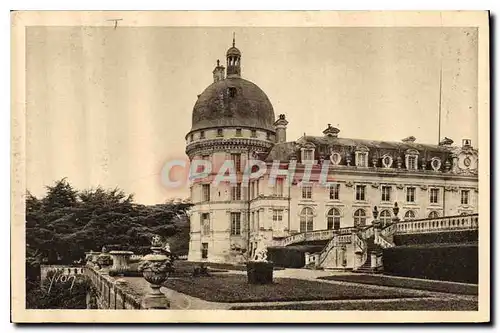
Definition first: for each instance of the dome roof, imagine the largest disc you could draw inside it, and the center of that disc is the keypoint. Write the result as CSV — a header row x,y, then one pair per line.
x,y
233,51
233,102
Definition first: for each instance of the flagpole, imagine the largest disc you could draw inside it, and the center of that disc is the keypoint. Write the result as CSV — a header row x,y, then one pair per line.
x,y
440,98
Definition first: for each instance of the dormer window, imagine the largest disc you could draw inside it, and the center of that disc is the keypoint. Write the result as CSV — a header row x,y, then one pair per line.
x,y
411,159
308,155
335,158
232,92
253,134
238,132
362,157
307,152
412,162
202,135
220,132
191,137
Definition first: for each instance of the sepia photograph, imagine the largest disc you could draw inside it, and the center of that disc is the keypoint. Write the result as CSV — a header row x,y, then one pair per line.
x,y
334,165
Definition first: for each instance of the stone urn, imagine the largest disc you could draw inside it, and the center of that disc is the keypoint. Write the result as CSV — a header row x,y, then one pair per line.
x,y
121,260
155,268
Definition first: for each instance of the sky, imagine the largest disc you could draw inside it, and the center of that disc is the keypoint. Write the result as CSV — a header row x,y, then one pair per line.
x,y
110,107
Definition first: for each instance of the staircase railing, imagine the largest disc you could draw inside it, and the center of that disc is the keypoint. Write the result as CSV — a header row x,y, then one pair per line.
x,y
311,236
382,241
337,241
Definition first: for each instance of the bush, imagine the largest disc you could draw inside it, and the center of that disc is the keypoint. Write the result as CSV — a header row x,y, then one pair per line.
x,y
260,272
58,295
291,256
448,262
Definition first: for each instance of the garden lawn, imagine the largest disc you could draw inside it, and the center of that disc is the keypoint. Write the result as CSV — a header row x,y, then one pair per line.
x,y
389,281
406,305
233,288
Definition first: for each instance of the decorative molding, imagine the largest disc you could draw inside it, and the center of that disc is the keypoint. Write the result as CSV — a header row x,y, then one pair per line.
x,y
451,188
423,187
349,184
387,161
335,158
400,186
436,163
375,185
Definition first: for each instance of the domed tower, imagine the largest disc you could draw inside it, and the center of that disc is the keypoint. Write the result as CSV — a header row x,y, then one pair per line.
x,y
232,120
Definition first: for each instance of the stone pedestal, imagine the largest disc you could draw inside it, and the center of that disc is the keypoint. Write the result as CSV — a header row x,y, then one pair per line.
x,y
260,272
374,260
121,260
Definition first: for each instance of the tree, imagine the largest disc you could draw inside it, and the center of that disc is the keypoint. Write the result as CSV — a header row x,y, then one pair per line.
x,y
66,223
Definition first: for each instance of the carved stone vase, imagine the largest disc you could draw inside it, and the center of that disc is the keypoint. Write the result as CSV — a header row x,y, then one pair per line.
x,y
155,268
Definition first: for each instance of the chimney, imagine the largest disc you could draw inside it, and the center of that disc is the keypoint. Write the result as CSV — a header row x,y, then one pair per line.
x,y
218,72
280,127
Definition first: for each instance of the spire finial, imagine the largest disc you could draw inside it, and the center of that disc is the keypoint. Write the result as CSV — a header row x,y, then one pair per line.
x,y
218,63
234,37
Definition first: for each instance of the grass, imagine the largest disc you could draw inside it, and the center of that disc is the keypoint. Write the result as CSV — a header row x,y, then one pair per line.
x,y
412,305
389,281
233,288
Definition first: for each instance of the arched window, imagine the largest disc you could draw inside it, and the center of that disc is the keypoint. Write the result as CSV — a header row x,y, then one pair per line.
x,y
433,214
385,217
359,217
410,215
306,219
333,219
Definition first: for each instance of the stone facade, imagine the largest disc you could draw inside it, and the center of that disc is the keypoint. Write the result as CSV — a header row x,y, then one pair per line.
x,y
228,221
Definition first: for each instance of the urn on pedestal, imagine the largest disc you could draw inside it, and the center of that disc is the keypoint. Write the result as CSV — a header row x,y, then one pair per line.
x,y
155,268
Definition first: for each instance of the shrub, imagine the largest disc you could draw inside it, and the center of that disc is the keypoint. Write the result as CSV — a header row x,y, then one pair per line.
x,y
260,272
449,262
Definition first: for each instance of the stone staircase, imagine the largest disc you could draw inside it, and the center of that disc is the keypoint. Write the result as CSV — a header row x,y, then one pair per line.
x,y
367,267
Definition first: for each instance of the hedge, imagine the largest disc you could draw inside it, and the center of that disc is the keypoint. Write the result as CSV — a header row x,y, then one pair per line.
x,y
291,256
448,262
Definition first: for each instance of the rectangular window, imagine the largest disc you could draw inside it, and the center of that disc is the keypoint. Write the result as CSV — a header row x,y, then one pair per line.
x,y
410,194
235,223
306,192
257,190
412,163
464,197
434,195
204,250
202,135
253,220
253,134
220,132
277,215
278,187
334,191
252,190
257,220
236,192
386,193
362,160
205,192
308,155
205,223
236,158
361,192
238,132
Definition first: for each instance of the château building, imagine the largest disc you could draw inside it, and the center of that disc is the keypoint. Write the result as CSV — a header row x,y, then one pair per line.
x,y
234,120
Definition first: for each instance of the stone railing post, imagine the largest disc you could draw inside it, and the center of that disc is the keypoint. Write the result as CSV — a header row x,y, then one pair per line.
x,y
155,268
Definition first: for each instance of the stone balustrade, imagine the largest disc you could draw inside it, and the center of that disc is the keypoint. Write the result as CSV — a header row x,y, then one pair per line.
x,y
448,223
59,270
108,294
311,236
